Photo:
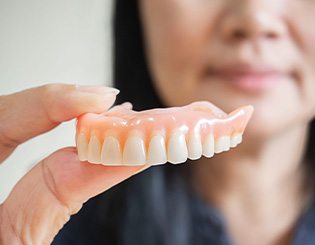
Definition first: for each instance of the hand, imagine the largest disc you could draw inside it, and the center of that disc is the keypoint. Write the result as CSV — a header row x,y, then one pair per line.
x,y
45,198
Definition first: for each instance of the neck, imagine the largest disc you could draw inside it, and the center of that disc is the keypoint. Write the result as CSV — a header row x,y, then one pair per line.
x,y
252,186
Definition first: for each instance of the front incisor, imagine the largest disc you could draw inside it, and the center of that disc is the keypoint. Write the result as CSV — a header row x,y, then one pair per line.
x,y
157,151
177,148
134,151
111,152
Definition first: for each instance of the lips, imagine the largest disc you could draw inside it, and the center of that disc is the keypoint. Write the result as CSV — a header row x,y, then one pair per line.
x,y
248,78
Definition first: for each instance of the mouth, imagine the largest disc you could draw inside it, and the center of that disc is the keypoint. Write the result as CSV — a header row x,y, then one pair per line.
x,y
248,78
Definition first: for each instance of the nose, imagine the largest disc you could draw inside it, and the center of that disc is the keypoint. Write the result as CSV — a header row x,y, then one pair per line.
x,y
252,20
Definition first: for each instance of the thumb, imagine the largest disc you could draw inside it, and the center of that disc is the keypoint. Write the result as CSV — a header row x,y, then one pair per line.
x,y
44,199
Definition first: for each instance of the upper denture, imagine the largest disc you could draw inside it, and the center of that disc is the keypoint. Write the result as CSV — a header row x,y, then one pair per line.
x,y
122,136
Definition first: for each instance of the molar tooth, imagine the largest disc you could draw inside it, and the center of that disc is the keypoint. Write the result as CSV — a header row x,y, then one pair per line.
x,y
111,153
222,144
236,139
177,149
208,146
94,150
134,151
194,146
157,151
82,147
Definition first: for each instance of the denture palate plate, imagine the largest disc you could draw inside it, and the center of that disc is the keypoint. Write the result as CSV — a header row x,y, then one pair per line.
x,y
122,136
111,151
157,151
134,150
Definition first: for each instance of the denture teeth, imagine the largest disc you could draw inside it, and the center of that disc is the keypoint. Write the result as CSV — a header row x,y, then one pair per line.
x,y
194,147
177,148
82,147
222,144
208,146
94,150
157,151
236,139
134,151
111,152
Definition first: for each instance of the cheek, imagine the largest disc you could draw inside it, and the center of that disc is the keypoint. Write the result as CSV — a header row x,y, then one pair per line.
x,y
304,15
177,36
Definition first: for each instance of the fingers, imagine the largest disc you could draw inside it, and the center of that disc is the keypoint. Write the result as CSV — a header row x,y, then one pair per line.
x,y
42,202
31,112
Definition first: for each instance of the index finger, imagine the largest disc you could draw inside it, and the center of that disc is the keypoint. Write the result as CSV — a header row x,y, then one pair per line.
x,y
34,111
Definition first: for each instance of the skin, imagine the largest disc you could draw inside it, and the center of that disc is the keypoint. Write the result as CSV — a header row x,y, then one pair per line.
x,y
253,184
43,200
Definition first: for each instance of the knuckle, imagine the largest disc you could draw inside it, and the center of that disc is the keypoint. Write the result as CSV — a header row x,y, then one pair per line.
x,y
5,139
51,183
8,230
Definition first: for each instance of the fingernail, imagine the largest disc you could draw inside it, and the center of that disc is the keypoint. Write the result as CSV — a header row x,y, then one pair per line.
x,y
97,89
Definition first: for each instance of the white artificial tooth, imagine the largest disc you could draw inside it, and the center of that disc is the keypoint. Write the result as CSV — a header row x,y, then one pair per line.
x,y
94,150
222,144
177,150
194,146
111,153
134,151
82,147
208,146
157,151
236,139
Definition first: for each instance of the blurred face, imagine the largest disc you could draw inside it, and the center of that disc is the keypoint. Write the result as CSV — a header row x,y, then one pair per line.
x,y
233,53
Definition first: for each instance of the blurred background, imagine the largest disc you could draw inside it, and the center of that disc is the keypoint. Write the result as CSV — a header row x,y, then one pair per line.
x,y
43,42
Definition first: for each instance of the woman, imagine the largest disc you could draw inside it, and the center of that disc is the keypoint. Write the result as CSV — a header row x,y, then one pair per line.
x,y
231,53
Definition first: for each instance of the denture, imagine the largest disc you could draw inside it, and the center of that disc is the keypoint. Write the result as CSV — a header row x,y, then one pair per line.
x,y
122,136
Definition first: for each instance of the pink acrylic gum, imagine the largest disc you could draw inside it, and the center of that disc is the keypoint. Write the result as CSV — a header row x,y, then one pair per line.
x,y
199,118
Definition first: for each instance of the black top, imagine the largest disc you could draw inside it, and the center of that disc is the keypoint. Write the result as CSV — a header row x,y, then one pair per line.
x,y
104,220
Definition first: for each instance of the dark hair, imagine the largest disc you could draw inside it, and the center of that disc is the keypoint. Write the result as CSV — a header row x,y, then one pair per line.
x,y
131,74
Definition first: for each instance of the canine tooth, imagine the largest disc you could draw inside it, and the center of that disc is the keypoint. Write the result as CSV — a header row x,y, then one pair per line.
x,y
94,150
111,152
134,151
177,149
157,151
82,147
236,139
194,147
208,146
222,144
